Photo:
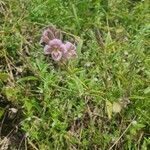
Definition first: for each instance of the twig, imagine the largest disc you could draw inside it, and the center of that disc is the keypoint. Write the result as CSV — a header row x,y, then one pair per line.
x,y
33,145
2,32
10,70
25,143
7,135
2,124
122,134
21,142
140,140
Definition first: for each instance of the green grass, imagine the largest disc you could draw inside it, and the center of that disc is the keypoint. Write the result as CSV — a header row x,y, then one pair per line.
x,y
70,107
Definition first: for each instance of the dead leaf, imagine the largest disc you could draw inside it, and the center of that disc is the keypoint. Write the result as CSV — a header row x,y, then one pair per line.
x,y
116,107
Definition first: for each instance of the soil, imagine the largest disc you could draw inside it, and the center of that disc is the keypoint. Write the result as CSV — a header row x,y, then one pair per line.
x,y
11,135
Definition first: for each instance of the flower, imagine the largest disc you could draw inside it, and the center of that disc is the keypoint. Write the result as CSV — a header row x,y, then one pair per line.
x,y
49,33
47,36
70,50
56,48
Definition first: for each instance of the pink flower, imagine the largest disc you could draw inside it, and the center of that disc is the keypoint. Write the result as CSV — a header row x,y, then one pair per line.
x,y
56,48
49,33
56,55
47,49
70,51
55,43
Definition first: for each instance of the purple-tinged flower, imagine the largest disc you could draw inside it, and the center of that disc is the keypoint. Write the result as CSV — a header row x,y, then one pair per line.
x,y
47,36
49,33
70,51
53,45
56,48
56,55
47,49
44,40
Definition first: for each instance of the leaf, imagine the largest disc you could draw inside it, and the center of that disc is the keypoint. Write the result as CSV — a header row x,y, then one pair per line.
x,y
79,85
76,16
109,109
137,97
116,107
11,93
3,76
120,30
79,47
147,90
2,110
29,78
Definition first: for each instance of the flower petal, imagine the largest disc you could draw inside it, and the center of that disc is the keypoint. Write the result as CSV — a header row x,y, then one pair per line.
x,y
55,42
50,35
70,54
56,55
44,39
45,32
63,48
57,34
54,30
47,49
71,51
70,46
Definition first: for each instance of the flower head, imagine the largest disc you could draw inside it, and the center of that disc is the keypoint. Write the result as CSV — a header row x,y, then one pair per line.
x,y
70,51
49,33
56,48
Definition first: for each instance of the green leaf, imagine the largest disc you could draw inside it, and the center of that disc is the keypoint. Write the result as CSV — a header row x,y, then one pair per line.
x,y
2,110
79,47
3,76
79,85
11,93
147,90
29,78
76,16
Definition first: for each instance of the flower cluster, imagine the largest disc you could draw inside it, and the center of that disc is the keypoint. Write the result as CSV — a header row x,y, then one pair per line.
x,y
53,45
